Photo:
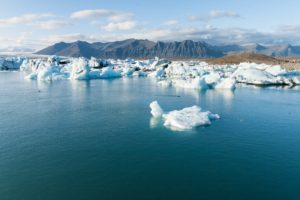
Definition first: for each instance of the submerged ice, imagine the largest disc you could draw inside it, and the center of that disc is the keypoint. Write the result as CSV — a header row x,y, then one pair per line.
x,y
185,119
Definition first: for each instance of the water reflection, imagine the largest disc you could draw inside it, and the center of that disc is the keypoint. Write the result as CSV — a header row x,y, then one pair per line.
x,y
43,85
155,122
227,95
224,96
80,88
195,93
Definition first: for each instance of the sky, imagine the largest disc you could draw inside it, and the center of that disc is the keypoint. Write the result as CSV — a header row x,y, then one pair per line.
x,y
35,24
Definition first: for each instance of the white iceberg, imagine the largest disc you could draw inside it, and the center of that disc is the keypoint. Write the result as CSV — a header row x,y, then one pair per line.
x,y
254,76
80,69
156,110
10,63
191,83
212,78
159,73
108,72
45,73
276,70
226,83
185,119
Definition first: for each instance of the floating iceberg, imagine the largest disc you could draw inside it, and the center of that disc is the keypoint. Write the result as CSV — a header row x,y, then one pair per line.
x,y
108,72
80,69
226,83
156,110
11,63
191,83
185,119
159,73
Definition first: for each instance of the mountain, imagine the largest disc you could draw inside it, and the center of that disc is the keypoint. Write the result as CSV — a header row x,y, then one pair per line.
x,y
173,50
269,50
134,49
76,49
244,57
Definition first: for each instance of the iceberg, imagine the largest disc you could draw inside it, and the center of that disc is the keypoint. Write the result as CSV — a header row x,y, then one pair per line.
x,y
226,83
156,110
191,83
212,78
159,73
276,70
254,76
108,72
185,119
80,69
45,73
11,63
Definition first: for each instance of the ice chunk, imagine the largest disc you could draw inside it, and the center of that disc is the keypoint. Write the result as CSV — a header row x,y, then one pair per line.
x,y
159,63
165,83
159,73
11,63
212,78
138,73
156,110
80,69
191,83
128,71
254,76
108,72
226,83
296,80
45,73
188,118
276,70
185,119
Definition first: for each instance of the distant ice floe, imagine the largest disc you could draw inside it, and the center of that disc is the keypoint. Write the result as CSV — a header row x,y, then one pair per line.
x,y
11,63
185,74
182,120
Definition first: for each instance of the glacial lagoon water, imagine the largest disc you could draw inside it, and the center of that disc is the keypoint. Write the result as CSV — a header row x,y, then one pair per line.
x,y
96,140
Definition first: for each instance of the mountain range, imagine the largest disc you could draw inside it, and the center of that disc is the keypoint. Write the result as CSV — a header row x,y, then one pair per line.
x,y
173,50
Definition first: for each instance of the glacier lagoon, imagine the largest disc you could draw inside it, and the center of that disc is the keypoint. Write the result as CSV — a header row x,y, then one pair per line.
x,y
96,140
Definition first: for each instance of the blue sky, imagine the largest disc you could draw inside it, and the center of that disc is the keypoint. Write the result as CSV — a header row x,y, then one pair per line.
x,y
36,24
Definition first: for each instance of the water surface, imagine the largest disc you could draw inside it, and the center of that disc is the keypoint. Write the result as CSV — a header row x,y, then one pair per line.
x,y
96,140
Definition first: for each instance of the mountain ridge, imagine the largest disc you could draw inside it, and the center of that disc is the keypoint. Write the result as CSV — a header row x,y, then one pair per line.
x,y
186,49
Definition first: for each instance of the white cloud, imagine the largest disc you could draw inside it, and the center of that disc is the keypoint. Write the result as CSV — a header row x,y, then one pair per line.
x,y
42,21
222,13
23,41
52,24
87,14
120,16
70,38
214,14
209,34
26,19
110,15
120,26
170,23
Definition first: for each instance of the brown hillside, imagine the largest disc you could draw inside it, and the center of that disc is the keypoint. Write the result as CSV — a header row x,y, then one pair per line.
x,y
244,57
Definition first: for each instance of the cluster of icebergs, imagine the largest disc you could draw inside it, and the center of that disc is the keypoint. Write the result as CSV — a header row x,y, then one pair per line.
x,y
10,63
185,119
193,74
55,68
204,76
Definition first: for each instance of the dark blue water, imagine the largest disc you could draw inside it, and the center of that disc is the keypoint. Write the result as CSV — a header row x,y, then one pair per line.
x,y
95,140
